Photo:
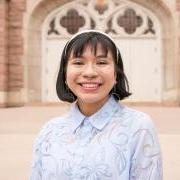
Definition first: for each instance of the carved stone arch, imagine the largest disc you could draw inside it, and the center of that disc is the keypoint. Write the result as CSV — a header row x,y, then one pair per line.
x,y
33,27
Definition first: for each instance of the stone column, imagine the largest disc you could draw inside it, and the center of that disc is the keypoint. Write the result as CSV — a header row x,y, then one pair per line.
x,y
15,55
3,52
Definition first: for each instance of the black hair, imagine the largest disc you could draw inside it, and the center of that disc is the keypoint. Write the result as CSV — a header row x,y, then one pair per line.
x,y
76,46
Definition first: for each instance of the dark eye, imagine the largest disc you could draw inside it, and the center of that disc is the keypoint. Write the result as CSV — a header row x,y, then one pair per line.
x,y
77,62
102,62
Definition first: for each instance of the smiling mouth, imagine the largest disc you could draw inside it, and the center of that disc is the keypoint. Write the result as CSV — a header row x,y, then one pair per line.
x,y
90,86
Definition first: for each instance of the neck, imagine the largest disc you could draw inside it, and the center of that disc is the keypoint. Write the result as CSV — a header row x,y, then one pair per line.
x,y
90,108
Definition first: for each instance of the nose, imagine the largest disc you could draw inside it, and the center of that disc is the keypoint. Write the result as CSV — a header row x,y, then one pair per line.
x,y
90,71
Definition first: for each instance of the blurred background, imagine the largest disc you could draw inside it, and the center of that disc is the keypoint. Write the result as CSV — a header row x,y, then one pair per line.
x,y
32,36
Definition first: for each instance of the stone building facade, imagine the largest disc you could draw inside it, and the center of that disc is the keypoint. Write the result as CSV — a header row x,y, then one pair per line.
x,y
33,32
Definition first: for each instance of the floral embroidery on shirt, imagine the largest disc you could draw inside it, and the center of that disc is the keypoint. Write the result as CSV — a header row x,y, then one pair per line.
x,y
116,143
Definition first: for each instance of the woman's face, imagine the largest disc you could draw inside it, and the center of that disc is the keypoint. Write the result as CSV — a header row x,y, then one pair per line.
x,y
91,77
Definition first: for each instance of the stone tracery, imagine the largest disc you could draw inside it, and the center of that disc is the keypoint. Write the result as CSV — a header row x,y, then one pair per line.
x,y
122,19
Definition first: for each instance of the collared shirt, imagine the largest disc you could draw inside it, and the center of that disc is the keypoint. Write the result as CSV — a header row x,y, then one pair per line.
x,y
115,143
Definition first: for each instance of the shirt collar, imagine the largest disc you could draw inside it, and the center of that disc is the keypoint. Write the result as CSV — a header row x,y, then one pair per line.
x,y
76,116
97,120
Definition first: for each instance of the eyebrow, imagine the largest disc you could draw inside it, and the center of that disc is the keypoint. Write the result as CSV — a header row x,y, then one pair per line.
x,y
97,56
101,56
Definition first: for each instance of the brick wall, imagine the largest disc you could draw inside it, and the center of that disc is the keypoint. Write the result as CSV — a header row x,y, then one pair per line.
x,y
3,45
16,9
11,48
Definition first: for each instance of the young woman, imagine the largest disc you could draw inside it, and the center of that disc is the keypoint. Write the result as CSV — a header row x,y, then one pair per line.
x,y
99,138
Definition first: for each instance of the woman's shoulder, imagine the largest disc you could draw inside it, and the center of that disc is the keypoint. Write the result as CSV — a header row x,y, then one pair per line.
x,y
53,123
57,120
136,118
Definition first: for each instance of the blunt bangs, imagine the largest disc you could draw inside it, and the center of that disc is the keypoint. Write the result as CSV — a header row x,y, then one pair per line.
x,y
77,46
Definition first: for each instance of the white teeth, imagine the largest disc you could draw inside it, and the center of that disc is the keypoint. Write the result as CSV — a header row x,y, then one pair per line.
x,y
90,85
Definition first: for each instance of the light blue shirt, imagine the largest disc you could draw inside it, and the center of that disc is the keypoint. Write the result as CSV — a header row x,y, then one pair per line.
x,y
115,143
